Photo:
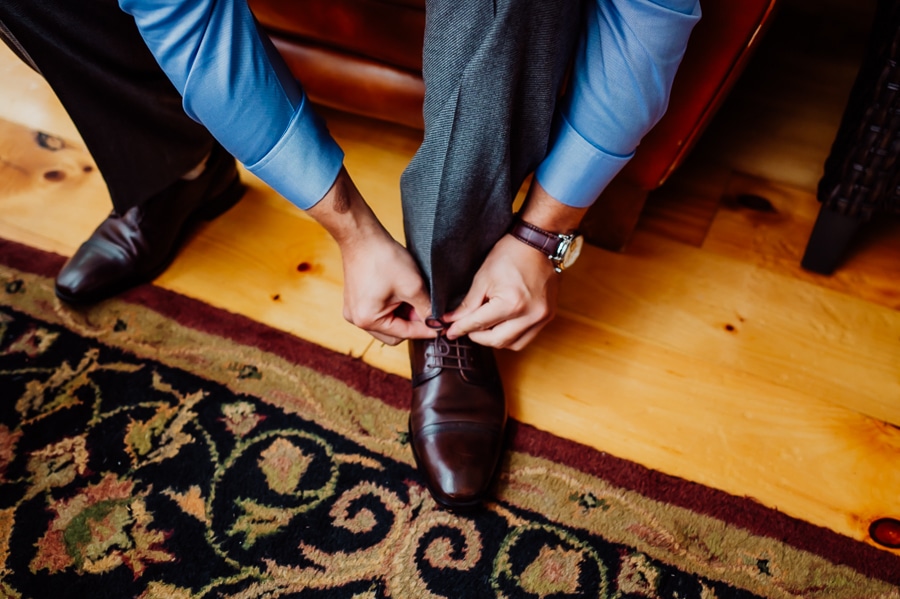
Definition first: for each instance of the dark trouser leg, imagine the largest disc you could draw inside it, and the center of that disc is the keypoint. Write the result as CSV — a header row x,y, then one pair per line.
x,y
124,107
492,71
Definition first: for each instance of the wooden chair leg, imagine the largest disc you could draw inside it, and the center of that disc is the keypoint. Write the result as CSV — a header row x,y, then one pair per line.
x,y
610,222
830,238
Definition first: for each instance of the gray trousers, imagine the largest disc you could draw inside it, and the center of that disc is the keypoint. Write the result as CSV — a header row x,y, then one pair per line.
x,y
493,71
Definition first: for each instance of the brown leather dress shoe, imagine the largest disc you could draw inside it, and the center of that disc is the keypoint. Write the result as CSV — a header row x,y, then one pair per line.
x,y
457,419
135,247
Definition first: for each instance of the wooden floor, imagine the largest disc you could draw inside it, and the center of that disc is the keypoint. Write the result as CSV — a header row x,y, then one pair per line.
x,y
703,351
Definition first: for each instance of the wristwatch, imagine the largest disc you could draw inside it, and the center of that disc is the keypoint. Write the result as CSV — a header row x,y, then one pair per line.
x,y
562,249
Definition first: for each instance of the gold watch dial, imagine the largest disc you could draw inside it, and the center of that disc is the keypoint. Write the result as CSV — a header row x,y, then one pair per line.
x,y
573,251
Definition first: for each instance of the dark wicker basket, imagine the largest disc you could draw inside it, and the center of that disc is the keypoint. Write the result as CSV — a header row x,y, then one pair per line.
x,y
862,172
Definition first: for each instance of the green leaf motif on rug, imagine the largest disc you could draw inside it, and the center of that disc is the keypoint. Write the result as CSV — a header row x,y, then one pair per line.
x,y
162,436
284,464
544,561
246,371
57,465
259,521
284,467
100,529
589,501
551,572
240,417
64,386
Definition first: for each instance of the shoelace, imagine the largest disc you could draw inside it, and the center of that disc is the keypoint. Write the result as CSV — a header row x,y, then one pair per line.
x,y
453,354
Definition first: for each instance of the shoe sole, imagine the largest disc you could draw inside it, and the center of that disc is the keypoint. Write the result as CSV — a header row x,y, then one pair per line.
x,y
218,206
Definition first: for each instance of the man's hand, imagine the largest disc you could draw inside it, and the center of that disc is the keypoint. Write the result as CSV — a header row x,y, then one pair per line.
x,y
381,284
384,294
513,295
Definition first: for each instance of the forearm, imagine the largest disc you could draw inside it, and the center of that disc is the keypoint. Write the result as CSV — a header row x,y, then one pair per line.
x,y
236,84
624,67
346,216
544,211
384,293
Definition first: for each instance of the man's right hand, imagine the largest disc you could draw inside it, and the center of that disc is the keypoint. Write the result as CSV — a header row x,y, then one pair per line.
x,y
381,284
384,293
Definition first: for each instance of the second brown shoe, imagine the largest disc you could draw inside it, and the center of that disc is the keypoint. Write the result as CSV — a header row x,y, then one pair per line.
x,y
457,418
133,248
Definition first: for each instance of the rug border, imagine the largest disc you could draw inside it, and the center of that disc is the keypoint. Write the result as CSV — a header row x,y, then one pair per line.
x,y
743,512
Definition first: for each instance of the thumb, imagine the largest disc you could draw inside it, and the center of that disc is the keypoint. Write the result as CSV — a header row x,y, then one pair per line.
x,y
421,304
473,300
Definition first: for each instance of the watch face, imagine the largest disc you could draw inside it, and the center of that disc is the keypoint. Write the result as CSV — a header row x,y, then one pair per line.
x,y
572,252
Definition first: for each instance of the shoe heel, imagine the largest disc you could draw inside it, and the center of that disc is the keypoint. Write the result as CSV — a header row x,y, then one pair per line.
x,y
224,201
830,238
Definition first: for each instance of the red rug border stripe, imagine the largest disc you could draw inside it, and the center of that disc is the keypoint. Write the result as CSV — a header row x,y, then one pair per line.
x,y
394,390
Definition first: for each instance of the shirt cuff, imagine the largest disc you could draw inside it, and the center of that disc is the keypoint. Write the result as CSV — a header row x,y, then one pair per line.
x,y
304,163
575,171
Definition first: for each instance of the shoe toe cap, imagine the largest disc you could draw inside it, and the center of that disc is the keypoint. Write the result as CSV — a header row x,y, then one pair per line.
x,y
459,462
93,272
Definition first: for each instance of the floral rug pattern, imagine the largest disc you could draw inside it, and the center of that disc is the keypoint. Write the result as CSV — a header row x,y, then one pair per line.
x,y
142,458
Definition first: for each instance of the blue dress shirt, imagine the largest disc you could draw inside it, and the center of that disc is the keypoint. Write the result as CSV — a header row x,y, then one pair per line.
x,y
235,84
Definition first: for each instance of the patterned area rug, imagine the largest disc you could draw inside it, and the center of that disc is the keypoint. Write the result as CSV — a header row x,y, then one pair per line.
x,y
156,447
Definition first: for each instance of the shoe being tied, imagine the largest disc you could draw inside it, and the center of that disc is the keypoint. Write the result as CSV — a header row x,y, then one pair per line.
x,y
135,247
457,419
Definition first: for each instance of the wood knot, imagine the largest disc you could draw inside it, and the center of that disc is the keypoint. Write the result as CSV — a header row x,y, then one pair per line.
x,y
886,532
755,202
49,142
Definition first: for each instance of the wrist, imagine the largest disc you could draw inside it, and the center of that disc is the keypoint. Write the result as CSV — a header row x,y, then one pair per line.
x,y
345,214
546,212
560,249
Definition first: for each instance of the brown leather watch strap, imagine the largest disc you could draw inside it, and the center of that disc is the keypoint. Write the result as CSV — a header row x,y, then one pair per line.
x,y
536,237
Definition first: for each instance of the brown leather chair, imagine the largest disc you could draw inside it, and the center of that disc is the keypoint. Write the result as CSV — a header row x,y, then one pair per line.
x,y
365,57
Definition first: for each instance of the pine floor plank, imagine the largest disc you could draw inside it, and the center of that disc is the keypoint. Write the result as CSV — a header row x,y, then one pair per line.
x,y
266,260
36,183
667,214
769,224
733,316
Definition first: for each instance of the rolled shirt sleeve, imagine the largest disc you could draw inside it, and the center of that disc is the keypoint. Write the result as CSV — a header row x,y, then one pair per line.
x,y
623,72
234,82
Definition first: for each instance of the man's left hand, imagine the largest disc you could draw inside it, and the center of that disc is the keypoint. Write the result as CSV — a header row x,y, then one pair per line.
x,y
513,295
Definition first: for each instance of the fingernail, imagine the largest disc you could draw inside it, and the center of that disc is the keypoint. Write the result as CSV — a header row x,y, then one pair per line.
x,y
435,323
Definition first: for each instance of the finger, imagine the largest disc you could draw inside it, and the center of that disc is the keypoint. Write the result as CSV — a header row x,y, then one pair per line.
x,y
406,317
403,329
512,334
475,298
526,338
387,339
421,304
418,330
485,317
